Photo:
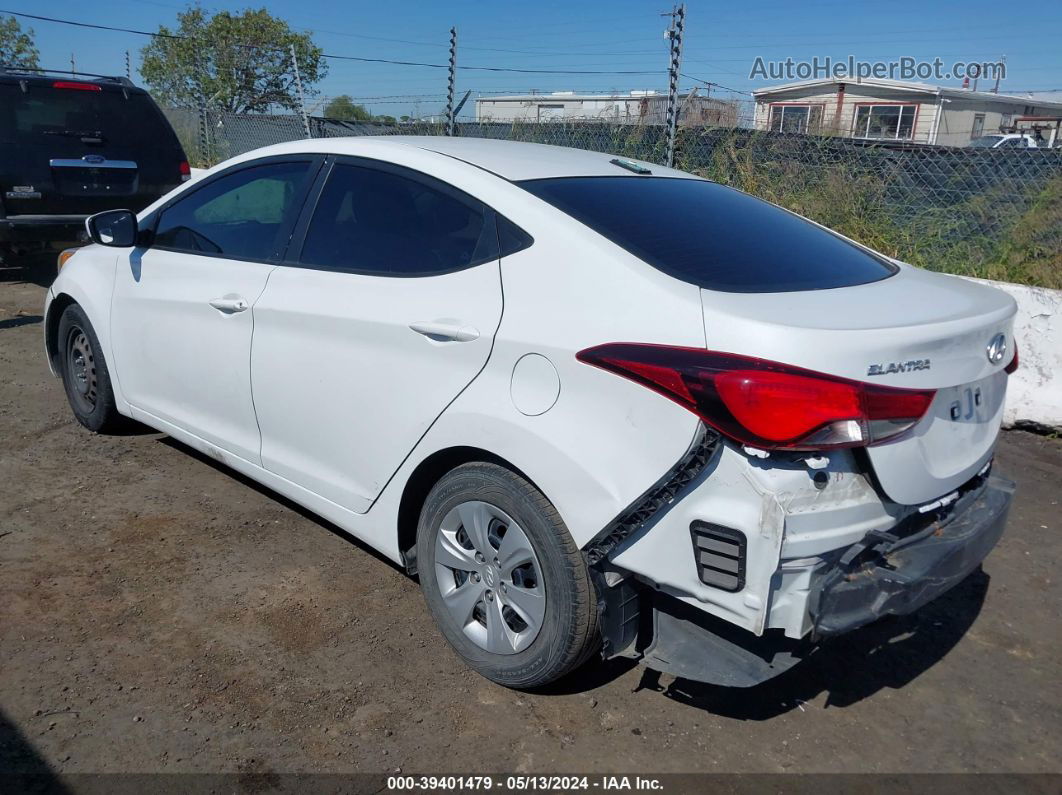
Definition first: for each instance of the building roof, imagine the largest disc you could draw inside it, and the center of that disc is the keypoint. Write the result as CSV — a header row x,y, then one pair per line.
x,y
1041,98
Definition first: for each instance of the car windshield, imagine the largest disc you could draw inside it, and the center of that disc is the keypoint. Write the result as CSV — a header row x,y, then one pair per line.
x,y
713,236
987,142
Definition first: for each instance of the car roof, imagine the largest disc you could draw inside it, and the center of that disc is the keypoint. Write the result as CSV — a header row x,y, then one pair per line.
x,y
511,160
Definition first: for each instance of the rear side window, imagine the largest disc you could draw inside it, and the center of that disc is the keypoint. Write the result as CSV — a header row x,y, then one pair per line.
x,y
376,221
239,215
713,236
107,114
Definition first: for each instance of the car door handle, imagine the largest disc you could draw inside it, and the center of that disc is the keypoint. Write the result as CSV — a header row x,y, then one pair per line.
x,y
445,332
229,305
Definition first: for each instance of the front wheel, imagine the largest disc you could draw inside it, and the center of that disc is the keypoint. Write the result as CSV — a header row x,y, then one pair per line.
x,y
84,372
503,578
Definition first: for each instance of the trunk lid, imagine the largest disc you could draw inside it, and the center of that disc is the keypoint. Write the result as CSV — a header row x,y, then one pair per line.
x,y
915,329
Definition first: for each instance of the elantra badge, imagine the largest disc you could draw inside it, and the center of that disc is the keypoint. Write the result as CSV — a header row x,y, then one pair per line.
x,y
997,349
898,367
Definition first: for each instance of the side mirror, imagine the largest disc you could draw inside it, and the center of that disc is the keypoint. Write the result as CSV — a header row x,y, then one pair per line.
x,y
113,228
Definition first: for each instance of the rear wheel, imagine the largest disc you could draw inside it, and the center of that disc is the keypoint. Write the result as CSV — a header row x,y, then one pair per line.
x,y
503,578
84,373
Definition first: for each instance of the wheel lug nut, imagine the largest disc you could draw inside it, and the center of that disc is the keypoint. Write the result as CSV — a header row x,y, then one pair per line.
x,y
490,596
497,562
475,577
480,558
504,587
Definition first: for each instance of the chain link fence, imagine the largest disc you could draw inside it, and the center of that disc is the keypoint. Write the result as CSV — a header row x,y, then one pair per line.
x,y
990,213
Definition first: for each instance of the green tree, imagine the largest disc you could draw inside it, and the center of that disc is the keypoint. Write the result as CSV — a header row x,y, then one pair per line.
x,y
16,46
344,109
238,62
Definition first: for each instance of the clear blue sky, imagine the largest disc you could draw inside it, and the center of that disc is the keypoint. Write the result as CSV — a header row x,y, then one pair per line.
x,y
722,40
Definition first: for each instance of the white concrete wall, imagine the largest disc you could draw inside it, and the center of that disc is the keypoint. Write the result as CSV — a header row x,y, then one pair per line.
x,y
1034,393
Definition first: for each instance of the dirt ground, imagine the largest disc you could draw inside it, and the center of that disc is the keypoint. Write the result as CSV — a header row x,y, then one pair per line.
x,y
158,613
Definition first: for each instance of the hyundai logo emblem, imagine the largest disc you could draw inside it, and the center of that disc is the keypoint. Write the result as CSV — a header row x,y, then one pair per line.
x,y
93,158
997,349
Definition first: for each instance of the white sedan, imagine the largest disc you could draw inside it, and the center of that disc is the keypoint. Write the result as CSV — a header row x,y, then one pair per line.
x,y
595,404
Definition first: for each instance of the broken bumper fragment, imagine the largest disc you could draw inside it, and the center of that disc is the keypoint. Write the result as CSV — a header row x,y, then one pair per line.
x,y
888,575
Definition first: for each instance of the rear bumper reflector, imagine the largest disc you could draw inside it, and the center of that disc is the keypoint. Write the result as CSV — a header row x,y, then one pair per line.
x,y
720,555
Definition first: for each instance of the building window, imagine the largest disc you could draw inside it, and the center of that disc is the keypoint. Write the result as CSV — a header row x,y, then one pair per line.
x,y
795,118
978,126
894,122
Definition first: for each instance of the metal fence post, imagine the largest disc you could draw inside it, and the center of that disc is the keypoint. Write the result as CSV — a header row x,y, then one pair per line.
x,y
678,21
450,121
302,99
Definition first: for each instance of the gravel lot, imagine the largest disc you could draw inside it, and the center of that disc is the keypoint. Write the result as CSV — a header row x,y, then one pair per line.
x,y
158,613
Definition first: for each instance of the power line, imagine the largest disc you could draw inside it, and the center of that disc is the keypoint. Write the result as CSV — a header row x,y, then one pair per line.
x,y
340,57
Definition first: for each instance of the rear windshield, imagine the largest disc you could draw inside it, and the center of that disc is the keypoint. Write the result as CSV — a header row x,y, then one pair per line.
x,y
43,110
710,235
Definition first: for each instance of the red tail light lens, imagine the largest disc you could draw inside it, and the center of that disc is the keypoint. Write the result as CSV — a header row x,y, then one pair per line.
x,y
186,171
766,404
72,85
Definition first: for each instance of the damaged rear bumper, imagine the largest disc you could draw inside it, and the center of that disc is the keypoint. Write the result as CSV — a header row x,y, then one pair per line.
x,y
885,574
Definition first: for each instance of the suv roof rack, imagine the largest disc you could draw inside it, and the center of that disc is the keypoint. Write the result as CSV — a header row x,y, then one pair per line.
x,y
34,72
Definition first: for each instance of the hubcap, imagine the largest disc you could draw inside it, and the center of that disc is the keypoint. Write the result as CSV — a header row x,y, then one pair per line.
x,y
81,366
489,577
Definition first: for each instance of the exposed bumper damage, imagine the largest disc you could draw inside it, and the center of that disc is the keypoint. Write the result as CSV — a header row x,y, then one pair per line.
x,y
893,574
885,573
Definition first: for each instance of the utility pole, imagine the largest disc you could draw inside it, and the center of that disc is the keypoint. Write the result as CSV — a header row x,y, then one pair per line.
x,y
674,35
128,70
999,71
302,99
451,126
73,67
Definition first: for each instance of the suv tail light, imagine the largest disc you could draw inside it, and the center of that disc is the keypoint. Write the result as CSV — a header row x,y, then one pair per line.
x,y
73,85
186,171
766,404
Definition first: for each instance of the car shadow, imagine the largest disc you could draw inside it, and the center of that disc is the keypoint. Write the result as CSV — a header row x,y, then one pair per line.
x,y
22,768
20,320
280,499
891,653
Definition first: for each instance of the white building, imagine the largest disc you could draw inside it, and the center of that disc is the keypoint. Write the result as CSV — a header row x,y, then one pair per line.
x,y
895,110
634,107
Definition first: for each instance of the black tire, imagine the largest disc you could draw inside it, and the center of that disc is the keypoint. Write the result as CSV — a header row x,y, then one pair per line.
x,y
84,373
568,633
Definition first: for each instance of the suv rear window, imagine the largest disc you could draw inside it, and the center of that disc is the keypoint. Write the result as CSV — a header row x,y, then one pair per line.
x,y
710,235
44,110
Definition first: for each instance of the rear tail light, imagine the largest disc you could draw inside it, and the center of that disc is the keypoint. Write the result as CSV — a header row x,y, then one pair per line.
x,y
1010,368
766,404
72,85
186,171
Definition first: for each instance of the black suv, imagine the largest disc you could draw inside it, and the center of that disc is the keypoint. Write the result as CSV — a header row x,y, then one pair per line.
x,y
73,146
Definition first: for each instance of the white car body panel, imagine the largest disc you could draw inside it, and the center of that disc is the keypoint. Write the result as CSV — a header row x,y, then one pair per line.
x,y
183,360
395,381
322,392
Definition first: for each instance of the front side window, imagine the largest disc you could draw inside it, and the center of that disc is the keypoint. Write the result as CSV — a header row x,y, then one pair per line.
x,y
802,119
239,215
710,235
381,222
894,122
